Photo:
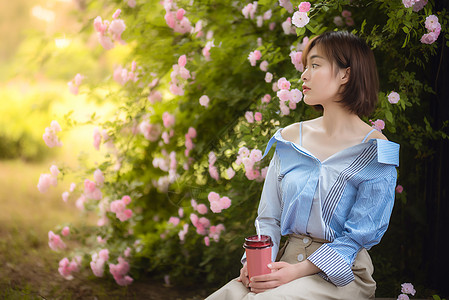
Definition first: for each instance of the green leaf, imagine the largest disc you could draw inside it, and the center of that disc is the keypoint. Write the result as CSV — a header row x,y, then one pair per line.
x,y
405,29
311,28
300,31
389,116
244,129
362,28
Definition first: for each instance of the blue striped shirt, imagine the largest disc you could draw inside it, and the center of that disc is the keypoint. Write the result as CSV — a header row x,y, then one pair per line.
x,y
353,190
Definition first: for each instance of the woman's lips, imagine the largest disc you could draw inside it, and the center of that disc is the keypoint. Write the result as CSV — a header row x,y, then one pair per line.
x,y
305,89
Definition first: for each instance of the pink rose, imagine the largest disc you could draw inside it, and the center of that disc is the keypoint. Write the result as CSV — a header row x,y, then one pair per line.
x,y
287,5
204,101
338,21
283,84
254,56
378,124
66,267
255,155
201,209
97,138
403,297
170,19
284,95
419,5
349,21
264,66
180,14
268,77
183,232
230,172
182,60
432,24
168,119
407,288
267,15
429,38
304,7
393,97
191,132
105,41
408,3
99,177
266,98
45,180
213,172
174,220
65,196
119,271
55,242
300,19
98,25
65,231
296,95
249,116
346,13
116,14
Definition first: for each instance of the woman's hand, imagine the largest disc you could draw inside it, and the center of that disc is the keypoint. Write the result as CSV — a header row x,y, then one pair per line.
x,y
281,273
244,275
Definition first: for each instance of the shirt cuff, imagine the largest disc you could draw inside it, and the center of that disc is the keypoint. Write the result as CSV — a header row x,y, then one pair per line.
x,y
333,265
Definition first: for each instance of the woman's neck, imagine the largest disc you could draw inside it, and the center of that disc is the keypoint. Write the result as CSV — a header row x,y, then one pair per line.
x,y
339,120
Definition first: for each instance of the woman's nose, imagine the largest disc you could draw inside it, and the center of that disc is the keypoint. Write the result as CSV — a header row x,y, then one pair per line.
x,y
303,75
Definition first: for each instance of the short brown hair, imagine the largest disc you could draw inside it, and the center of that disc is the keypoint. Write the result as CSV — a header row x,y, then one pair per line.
x,y
359,94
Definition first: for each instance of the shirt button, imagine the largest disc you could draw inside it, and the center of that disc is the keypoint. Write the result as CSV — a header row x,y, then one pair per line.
x,y
305,240
300,257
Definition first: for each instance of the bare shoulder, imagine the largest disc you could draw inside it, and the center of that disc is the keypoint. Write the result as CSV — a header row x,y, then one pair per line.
x,y
291,132
377,135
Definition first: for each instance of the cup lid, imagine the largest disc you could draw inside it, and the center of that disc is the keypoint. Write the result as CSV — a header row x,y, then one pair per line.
x,y
253,242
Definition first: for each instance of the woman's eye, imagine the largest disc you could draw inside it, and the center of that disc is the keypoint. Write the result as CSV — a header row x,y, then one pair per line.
x,y
314,65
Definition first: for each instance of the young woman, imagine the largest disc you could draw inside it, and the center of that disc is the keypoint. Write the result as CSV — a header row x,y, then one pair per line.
x,y
330,185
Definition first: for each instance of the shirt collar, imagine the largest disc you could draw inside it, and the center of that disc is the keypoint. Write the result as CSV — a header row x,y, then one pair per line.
x,y
387,151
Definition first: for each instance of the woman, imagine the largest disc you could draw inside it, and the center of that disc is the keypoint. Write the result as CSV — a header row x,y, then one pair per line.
x,y
330,186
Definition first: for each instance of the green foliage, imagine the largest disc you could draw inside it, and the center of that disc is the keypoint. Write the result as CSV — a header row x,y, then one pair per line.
x,y
21,124
235,87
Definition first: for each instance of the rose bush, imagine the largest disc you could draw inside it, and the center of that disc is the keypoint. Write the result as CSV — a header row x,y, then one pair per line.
x,y
209,83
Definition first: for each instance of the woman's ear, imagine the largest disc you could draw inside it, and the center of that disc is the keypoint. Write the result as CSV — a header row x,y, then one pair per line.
x,y
344,75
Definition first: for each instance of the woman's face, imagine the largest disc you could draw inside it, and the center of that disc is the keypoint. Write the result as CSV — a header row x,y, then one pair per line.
x,y
321,82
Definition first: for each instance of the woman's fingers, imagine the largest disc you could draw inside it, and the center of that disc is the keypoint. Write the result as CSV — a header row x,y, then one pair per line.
x,y
260,286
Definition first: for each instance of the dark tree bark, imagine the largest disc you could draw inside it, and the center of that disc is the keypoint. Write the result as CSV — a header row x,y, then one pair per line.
x,y
436,244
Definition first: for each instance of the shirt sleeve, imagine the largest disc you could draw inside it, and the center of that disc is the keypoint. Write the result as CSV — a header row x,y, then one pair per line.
x,y
270,207
365,225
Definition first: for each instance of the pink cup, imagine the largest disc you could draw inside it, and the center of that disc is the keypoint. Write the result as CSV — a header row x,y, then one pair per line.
x,y
258,254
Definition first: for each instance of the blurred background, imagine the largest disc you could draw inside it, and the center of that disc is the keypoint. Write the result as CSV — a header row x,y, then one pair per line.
x,y
40,52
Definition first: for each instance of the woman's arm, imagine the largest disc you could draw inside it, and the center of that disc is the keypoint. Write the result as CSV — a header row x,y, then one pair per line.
x,y
364,227
269,213
270,206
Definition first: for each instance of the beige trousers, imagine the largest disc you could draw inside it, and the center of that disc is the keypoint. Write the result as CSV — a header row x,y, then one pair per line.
x,y
298,248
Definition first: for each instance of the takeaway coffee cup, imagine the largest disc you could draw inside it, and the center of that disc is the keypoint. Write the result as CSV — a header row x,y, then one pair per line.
x,y
258,254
